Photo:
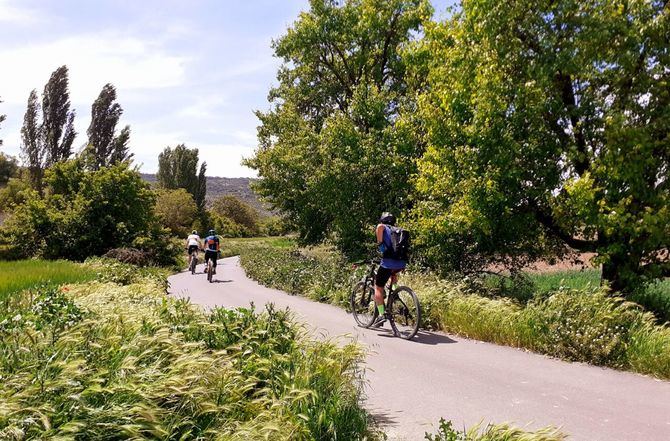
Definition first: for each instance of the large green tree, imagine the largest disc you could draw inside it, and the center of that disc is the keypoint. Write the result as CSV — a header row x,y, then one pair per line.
x,y
178,168
331,156
106,147
57,118
547,127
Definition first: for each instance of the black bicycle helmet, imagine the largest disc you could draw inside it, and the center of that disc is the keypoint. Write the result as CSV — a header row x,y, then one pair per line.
x,y
212,233
387,218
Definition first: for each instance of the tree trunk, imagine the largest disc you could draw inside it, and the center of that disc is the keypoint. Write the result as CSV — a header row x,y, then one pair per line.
x,y
610,274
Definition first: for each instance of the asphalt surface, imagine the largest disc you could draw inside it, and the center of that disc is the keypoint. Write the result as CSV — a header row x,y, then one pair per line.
x,y
411,384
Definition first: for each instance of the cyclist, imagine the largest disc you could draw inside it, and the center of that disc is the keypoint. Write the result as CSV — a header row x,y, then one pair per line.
x,y
211,249
193,244
389,267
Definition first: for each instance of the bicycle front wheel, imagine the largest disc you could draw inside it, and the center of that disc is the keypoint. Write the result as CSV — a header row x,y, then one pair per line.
x,y
363,304
405,313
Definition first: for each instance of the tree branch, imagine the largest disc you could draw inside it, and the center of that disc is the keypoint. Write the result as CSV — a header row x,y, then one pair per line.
x,y
567,94
548,221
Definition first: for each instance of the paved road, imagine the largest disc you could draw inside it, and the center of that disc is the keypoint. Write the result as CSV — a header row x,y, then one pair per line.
x,y
412,384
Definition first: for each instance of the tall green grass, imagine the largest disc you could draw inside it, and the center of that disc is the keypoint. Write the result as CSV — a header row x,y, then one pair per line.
x,y
22,274
106,361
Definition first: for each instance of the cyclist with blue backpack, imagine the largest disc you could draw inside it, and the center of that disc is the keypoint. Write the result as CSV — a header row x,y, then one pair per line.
x,y
212,248
393,243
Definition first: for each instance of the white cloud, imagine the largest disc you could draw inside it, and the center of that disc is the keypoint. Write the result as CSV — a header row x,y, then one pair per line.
x,y
17,15
93,60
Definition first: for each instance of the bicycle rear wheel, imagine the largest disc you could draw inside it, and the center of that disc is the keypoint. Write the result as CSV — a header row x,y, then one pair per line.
x,y
194,262
405,313
362,302
210,270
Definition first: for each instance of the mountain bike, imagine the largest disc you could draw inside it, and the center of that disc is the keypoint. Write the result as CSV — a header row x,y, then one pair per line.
x,y
402,305
193,261
210,270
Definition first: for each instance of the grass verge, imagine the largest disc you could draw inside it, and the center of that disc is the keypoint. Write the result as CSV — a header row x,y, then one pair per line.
x,y
108,360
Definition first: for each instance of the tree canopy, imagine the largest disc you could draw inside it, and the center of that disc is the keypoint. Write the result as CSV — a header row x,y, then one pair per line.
x,y
331,156
547,126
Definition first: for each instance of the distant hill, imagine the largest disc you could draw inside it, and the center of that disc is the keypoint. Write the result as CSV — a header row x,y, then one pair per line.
x,y
216,186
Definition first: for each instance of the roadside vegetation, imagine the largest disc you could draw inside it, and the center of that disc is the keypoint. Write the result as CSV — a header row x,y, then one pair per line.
x,y
16,276
493,432
104,359
584,323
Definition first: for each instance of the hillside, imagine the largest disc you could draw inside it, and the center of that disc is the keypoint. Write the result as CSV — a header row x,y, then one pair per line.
x,y
218,186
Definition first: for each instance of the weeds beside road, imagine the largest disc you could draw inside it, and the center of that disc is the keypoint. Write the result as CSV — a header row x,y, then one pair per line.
x,y
118,359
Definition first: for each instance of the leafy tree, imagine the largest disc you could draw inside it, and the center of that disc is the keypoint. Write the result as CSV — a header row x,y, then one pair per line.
x,y
547,123
57,118
176,210
82,213
239,212
8,168
226,227
104,146
177,168
32,148
331,155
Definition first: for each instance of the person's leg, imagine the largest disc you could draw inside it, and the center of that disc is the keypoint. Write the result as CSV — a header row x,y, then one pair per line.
x,y
382,277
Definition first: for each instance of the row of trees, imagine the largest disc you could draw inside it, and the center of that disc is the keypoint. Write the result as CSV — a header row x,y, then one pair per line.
x,y
507,133
182,190
48,130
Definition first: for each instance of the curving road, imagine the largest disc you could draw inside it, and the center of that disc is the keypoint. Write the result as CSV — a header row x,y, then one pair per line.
x,y
412,384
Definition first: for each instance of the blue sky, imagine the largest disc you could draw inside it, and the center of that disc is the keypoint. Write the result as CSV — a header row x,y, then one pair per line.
x,y
187,72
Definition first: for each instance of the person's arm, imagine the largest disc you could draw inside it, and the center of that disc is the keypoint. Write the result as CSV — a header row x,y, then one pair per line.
x,y
380,234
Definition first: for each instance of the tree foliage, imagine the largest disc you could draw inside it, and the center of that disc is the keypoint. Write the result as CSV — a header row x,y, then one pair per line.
x,y
176,210
105,147
331,155
547,123
178,168
8,168
82,213
243,215
57,118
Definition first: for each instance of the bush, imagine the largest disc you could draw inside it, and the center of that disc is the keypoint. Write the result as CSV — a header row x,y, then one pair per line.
x,y
82,213
239,212
176,210
131,256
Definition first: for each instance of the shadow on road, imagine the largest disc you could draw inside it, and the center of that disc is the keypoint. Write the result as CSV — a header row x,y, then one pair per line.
x,y
383,418
221,281
431,338
423,337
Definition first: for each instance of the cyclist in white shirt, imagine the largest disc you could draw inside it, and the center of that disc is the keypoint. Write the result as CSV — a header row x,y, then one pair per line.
x,y
193,244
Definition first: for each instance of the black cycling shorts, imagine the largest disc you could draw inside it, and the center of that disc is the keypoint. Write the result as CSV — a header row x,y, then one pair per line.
x,y
384,274
192,249
209,254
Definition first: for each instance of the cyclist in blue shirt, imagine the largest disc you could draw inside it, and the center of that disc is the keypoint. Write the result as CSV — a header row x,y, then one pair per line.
x,y
389,267
212,247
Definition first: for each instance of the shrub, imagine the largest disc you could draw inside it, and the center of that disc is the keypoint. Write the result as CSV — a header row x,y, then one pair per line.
x,y
82,213
176,210
131,256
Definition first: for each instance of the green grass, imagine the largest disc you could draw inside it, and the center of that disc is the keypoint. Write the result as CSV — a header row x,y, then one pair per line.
x,y
554,281
23,274
107,361
493,432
